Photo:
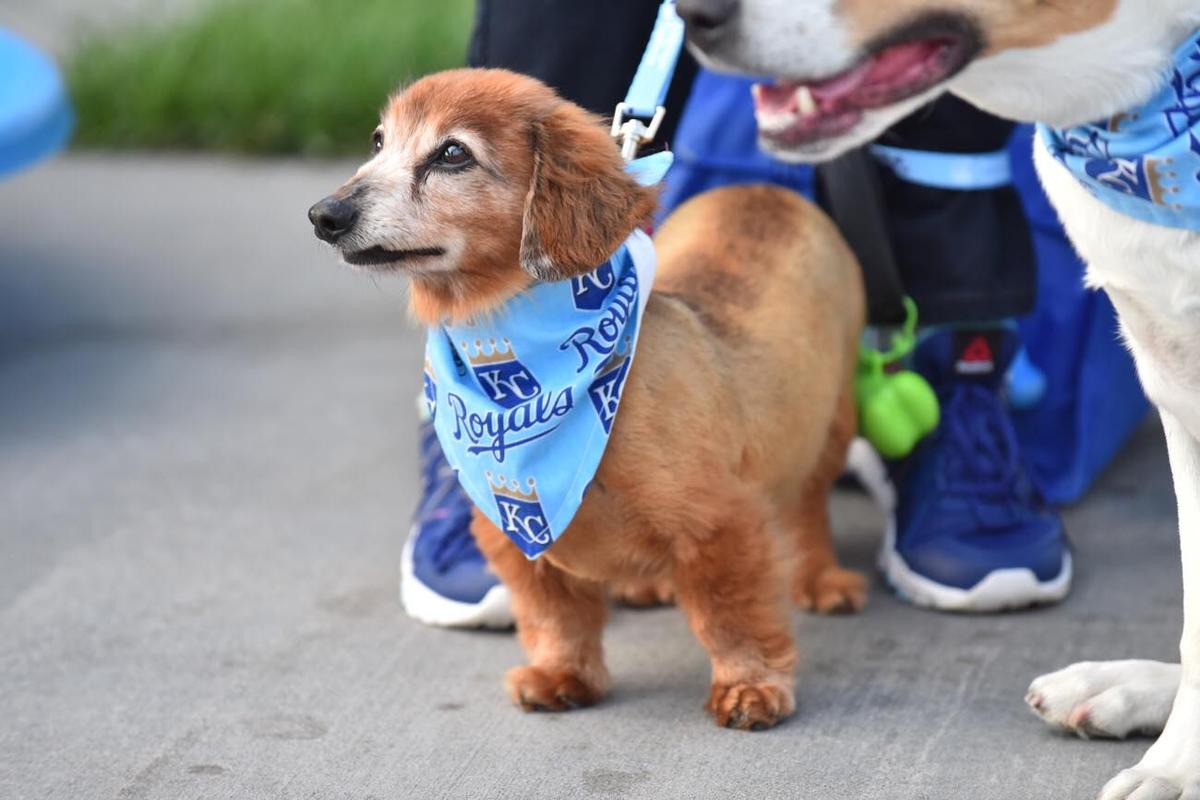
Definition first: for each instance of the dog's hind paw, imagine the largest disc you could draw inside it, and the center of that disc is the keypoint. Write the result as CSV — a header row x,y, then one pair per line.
x,y
535,689
831,590
750,706
1110,699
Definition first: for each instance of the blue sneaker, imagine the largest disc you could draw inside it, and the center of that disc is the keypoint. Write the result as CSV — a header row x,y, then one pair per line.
x,y
970,530
444,579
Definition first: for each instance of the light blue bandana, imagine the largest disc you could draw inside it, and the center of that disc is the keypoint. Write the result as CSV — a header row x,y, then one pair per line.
x,y
523,401
1144,164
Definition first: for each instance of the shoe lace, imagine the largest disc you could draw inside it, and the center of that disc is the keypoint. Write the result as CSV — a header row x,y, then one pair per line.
x,y
456,547
981,456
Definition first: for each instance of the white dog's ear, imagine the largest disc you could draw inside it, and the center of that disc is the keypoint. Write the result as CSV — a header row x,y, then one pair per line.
x,y
581,203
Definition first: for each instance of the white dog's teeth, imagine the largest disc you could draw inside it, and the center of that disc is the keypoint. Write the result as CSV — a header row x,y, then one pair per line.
x,y
772,123
806,101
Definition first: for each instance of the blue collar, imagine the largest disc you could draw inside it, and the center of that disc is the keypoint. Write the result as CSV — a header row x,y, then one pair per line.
x,y
1146,163
523,400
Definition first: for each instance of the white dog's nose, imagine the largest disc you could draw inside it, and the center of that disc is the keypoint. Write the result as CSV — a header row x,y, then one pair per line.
x,y
706,17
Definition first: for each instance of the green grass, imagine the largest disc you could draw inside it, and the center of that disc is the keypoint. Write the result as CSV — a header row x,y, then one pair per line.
x,y
261,76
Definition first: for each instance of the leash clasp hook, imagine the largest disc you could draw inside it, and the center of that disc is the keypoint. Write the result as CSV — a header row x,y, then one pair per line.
x,y
632,132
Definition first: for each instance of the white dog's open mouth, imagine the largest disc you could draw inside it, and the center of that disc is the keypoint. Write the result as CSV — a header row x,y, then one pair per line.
x,y
797,112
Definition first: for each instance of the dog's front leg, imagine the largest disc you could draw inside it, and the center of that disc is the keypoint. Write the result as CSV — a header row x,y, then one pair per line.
x,y
734,588
560,621
1171,769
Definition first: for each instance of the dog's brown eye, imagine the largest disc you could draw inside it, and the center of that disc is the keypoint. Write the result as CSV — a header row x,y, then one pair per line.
x,y
454,155
376,141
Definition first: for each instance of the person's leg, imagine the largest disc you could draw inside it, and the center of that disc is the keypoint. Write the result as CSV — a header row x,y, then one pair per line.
x,y
970,530
589,52
964,256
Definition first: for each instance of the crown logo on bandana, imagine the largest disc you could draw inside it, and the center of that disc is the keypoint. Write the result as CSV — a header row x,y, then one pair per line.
x,y
482,354
501,374
512,490
521,514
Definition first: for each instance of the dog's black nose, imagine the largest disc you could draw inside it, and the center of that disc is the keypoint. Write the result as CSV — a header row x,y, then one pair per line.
x,y
332,218
705,17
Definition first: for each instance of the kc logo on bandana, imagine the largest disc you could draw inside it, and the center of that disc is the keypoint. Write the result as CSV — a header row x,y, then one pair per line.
x,y
1144,164
524,400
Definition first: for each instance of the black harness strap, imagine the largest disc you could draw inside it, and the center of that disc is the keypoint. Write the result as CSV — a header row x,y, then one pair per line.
x,y
849,190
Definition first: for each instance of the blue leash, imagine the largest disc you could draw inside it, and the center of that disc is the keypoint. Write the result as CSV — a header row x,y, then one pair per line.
x,y
638,118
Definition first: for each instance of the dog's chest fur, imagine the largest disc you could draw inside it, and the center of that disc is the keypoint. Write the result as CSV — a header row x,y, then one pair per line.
x,y
1152,274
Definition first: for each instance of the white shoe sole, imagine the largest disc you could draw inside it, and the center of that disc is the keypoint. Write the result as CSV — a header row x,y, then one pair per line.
x,y
864,462
425,605
1001,590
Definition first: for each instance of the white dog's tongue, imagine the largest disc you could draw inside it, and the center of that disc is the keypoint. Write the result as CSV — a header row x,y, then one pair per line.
x,y
892,67
843,85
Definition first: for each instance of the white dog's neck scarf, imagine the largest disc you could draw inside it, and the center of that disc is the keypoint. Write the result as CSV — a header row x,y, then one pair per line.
x,y
1144,164
523,401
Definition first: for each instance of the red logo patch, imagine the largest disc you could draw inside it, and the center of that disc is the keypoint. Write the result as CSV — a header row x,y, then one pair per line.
x,y
978,357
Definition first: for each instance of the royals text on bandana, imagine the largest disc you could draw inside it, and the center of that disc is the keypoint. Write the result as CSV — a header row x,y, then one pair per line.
x,y
524,401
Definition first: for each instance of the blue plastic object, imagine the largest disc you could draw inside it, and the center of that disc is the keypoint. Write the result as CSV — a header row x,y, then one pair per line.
x,y
716,144
1093,400
35,113
1025,384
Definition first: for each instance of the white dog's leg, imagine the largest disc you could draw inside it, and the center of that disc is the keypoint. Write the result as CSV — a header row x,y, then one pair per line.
x,y
1107,699
1171,769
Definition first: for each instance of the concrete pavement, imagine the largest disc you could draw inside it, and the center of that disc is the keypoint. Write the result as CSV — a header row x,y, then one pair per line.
x,y
207,462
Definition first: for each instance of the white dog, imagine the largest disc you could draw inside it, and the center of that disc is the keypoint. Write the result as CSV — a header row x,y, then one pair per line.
x,y
849,69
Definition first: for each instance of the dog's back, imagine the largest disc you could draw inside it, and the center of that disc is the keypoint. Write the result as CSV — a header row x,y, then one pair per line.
x,y
781,294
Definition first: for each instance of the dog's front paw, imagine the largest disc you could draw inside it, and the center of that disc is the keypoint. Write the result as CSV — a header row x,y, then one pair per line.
x,y
1110,699
830,590
750,706
1145,785
535,689
1171,768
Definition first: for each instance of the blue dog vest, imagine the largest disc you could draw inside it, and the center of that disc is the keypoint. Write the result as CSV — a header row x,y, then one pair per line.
x,y
1144,164
523,400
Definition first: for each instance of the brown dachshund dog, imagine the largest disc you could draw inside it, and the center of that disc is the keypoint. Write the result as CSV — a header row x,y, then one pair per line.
x,y
736,414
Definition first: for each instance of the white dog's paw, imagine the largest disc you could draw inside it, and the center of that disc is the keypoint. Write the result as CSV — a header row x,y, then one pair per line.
x,y
1108,699
1171,768
1140,784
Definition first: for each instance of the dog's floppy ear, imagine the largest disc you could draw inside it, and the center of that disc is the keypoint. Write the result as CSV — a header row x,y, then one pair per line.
x,y
581,203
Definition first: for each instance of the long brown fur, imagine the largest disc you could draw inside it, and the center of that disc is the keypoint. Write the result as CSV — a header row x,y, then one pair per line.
x,y
736,414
